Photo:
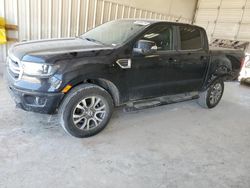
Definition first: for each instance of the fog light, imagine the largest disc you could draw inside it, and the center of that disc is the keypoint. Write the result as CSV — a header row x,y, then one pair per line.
x,y
34,100
40,101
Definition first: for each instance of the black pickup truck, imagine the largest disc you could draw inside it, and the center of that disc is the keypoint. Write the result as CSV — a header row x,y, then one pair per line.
x,y
136,63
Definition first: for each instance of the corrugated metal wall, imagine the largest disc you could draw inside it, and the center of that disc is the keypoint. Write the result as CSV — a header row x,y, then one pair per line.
x,y
39,19
225,19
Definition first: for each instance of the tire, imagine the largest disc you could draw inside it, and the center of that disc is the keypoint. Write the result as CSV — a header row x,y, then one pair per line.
x,y
80,114
242,82
215,90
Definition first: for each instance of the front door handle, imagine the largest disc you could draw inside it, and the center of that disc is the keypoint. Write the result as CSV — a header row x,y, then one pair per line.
x,y
172,60
175,63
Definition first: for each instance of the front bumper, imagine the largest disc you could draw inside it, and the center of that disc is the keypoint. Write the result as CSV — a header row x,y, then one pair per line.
x,y
46,103
31,99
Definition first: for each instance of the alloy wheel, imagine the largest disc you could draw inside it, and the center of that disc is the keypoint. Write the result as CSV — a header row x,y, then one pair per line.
x,y
89,113
215,94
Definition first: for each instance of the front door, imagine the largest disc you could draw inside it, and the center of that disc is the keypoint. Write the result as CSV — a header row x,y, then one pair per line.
x,y
149,75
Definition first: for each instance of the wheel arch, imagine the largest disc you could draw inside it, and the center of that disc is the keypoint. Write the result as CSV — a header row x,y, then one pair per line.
x,y
219,68
106,84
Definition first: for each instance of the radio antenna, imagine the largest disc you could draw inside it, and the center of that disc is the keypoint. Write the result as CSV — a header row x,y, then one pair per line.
x,y
178,19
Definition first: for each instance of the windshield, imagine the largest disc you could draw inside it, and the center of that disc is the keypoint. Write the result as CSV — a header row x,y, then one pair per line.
x,y
115,32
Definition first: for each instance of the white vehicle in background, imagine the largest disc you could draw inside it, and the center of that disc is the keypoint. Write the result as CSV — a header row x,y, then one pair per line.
x,y
245,70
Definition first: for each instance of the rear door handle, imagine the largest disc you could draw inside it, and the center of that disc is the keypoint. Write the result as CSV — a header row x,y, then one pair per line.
x,y
203,58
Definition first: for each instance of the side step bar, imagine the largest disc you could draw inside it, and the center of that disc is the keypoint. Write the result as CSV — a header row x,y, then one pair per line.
x,y
159,101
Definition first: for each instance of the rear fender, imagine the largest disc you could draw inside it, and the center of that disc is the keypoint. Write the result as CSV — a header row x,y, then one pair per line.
x,y
220,68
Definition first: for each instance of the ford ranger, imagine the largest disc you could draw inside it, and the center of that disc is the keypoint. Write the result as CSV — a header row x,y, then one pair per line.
x,y
135,63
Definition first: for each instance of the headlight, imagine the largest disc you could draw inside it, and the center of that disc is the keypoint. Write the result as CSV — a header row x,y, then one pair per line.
x,y
38,69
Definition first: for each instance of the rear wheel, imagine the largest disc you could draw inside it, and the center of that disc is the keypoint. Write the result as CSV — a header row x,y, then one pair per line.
x,y
212,96
86,110
241,81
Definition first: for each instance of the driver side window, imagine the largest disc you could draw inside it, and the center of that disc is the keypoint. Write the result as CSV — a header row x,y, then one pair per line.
x,y
161,36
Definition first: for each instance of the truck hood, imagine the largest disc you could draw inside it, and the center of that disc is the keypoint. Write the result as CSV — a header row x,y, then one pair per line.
x,y
38,48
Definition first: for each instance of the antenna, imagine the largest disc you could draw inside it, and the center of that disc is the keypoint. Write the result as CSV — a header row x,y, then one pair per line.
x,y
178,19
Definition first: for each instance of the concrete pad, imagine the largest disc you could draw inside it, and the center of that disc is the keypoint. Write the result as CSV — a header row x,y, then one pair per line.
x,y
2,67
178,145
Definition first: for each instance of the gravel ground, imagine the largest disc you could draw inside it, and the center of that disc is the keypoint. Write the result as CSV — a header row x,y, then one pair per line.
x,y
177,145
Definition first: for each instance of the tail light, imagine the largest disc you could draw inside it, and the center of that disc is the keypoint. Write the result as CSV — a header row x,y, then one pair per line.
x,y
247,64
242,61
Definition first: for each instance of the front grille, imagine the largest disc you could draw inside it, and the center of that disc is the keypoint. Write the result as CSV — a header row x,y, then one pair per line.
x,y
14,68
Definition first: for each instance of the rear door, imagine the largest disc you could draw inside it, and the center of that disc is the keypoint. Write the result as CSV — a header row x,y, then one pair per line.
x,y
193,58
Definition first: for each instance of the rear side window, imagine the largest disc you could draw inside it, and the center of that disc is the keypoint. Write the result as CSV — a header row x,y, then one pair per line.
x,y
190,38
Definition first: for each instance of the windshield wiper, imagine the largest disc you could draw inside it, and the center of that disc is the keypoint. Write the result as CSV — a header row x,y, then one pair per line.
x,y
92,40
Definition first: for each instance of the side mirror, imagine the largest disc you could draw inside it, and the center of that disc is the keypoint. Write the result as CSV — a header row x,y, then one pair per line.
x,y
145,47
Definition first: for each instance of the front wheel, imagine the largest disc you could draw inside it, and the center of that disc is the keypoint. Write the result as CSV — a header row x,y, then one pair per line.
x,y
212,96
86,110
